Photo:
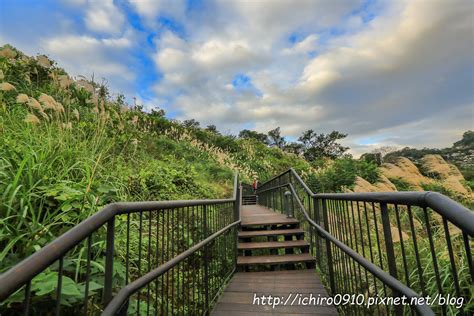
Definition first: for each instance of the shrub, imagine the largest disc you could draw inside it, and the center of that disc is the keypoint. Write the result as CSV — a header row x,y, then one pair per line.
x,y
342,174
401,184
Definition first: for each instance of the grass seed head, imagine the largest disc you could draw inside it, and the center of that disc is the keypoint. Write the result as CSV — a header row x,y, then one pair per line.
x,y
44,115
2,76
76,114
22,98
31,118
5,86
43,61
64,81
7,52
32,103
49,103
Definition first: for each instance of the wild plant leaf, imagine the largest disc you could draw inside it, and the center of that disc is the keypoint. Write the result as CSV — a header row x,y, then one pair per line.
x,y
93,286
66,207
70,288
45,283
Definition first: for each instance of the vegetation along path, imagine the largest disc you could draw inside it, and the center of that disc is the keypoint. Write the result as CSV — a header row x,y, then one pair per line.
x,y
178,256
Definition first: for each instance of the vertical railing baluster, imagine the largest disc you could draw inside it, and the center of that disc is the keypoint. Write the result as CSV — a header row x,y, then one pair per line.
x,y
451,258
328,249
402,246
433,256
362,246
162,305
168,257
317,236
148,290
88,271
59,286
392,265
26,300
157,257
127,255
206,262
370,249
415,248
379,250
109,261
140,228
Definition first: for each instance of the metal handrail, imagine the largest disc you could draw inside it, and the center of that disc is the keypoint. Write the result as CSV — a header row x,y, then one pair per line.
x,y
453,211
339,213
381,274
17,276
124,294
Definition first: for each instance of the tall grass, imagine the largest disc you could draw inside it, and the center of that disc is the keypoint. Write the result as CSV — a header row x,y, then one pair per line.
x,y
68,148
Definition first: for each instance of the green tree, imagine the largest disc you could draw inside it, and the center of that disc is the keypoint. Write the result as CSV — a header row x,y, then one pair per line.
x,y
294,148
276,139
192,123
213,129
317,146
245,133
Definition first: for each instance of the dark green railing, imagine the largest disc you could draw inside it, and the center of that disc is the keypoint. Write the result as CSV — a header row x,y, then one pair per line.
x,y
174,257
170,257
393,244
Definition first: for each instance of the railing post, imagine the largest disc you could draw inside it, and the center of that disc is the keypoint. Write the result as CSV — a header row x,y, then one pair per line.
x,y
392,265
332,284
236,218
206,263
317,236
287,203
237,203
109,261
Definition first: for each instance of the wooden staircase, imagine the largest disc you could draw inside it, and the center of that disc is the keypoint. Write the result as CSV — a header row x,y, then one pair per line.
x,y
271,241
249,199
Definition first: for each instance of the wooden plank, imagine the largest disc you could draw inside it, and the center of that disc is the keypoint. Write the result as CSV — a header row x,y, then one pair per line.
x,y
273,232
280,288
253,215
290,258
245,297
238,297
273,244
312,310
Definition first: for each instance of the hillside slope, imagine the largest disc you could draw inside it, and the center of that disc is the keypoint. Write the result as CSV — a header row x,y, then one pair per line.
x,y
434,174
69,147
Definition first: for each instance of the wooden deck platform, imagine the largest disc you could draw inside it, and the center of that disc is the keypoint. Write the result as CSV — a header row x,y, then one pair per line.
x,y
245,289
239,296
255,215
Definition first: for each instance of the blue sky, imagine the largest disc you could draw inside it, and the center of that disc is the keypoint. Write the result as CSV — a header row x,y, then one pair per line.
x,y
385,72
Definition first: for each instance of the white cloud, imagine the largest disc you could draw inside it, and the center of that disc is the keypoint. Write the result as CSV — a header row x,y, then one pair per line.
x,y
387,79
303,47
151,9
103,16
86,55
411,63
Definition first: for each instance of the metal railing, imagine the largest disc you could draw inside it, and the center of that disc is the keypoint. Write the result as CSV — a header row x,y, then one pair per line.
x,y
385,245
169,257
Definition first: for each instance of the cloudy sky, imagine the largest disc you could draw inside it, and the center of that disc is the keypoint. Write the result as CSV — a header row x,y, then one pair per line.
x,y
385,72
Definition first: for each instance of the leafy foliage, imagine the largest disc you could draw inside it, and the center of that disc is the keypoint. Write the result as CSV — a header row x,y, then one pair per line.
x,y
317,146
401,184
276,139
341,174
245,133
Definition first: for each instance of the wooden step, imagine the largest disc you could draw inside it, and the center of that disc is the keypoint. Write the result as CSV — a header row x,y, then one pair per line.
x,y
274,232
273,260
272,244
269,221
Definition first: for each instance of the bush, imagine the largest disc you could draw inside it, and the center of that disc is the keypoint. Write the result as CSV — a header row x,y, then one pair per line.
x,y
342,174
401,184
